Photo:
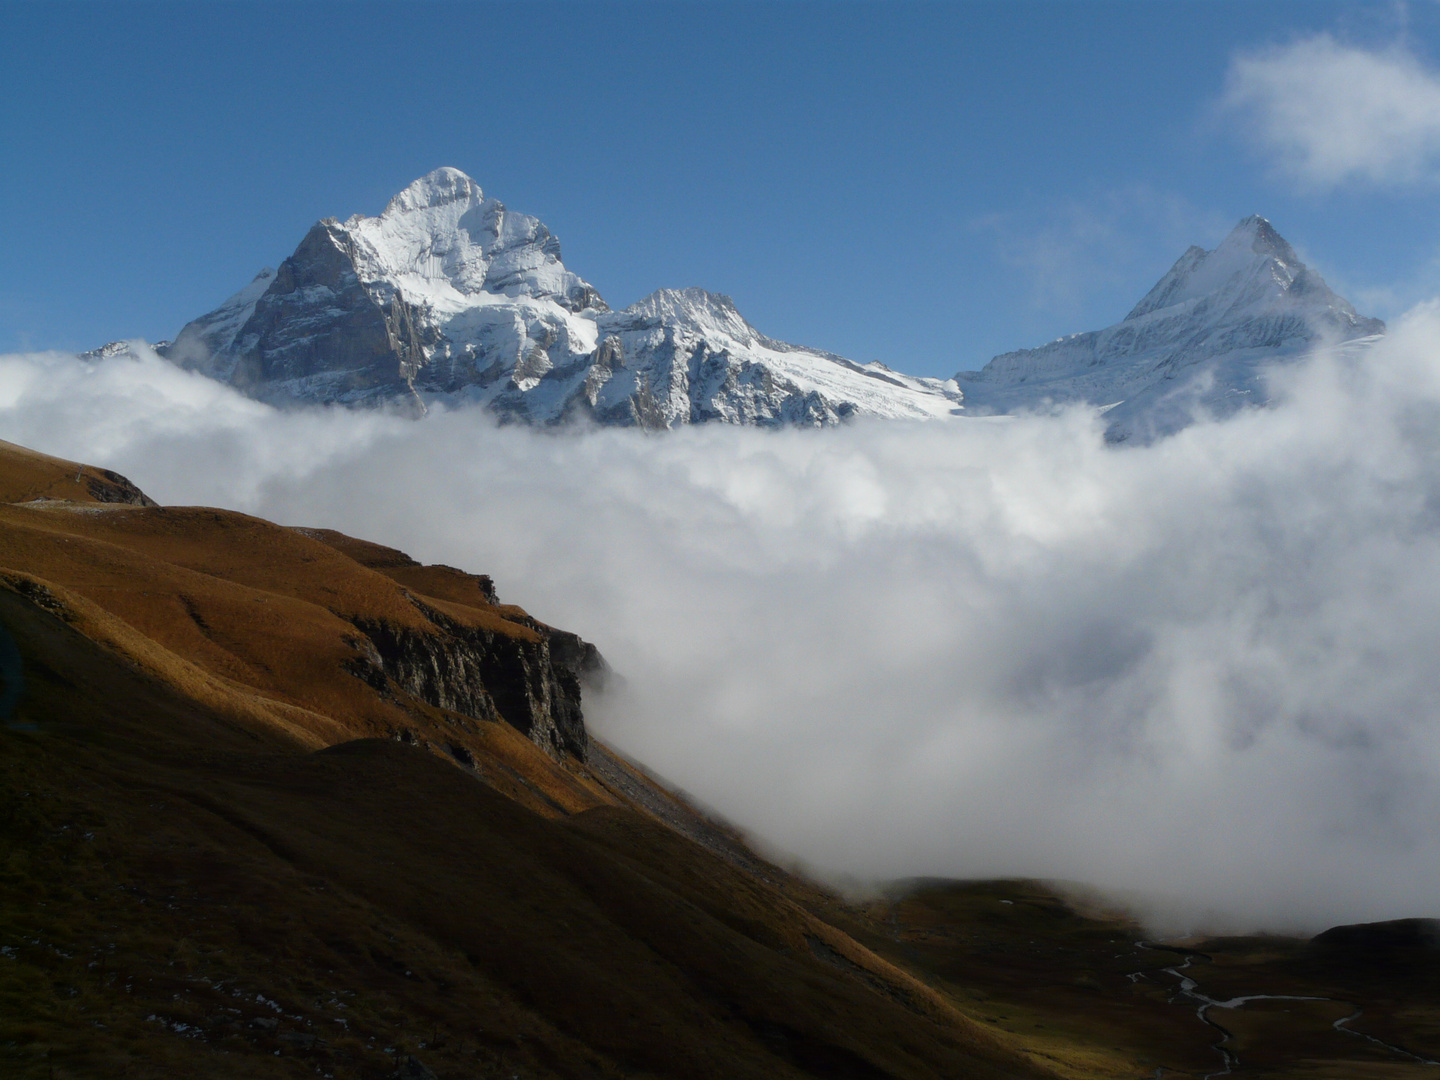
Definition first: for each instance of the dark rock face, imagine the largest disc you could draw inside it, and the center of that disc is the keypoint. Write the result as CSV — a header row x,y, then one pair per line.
x,y
317,319
577,656
111,487
315,324
533,683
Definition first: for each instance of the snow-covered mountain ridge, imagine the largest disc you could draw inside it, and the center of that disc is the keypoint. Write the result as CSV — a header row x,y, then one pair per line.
x,y
1199,341
448,295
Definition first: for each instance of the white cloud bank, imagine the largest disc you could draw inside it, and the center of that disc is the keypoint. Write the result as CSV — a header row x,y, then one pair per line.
x,y
1330,114
1206,669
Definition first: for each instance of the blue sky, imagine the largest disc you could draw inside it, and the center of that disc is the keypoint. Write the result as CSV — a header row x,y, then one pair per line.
x,y
922,184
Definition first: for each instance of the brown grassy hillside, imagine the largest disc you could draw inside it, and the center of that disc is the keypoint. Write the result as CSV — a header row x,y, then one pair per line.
x,y
284,803
280,803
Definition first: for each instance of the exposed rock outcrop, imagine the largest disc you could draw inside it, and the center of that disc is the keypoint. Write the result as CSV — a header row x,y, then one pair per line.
x,y
469,653
532,682
110,487
26,475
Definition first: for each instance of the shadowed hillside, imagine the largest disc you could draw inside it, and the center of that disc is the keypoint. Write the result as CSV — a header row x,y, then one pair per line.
x,y
279,802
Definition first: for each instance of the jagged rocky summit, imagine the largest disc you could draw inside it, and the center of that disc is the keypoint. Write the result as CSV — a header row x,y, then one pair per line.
x,y
1197,344
447,295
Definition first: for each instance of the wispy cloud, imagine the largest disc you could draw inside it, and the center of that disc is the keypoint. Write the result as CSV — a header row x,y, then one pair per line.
x,y
1329,114
1204,669
1080,251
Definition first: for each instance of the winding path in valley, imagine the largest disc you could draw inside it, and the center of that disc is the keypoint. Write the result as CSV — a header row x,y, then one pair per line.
x,y
1190,989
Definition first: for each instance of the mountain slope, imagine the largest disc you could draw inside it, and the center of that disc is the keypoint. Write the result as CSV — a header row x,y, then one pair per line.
x,y
210,865
448,295
281,802
1198,342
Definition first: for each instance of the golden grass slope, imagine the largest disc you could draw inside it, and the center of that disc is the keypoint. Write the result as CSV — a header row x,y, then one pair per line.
x,y
229,606
218,859
27,475
228,848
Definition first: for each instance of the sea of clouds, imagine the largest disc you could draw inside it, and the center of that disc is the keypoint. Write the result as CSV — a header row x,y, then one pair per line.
x,y
1206,671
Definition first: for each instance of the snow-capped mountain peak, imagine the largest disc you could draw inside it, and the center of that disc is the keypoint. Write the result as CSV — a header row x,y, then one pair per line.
x,y
1253,263
697,310
447,295
442,243
1198,342
442,187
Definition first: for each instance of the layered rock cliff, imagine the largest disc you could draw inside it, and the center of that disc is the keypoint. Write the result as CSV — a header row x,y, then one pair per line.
x,y
478,659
